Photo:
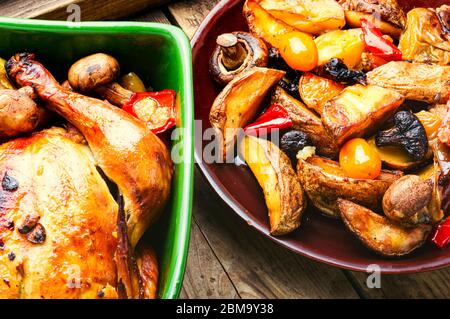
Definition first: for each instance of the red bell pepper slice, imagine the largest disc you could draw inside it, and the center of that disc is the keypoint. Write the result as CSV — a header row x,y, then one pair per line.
x,y
441,235
276,117
156,109
378,45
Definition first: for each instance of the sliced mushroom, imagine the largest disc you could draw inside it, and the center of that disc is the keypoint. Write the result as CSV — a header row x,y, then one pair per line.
x,y
406,200
235,53
408,132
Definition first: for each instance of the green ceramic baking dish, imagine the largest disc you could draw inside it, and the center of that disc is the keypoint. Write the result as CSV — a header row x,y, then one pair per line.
x,y
161,55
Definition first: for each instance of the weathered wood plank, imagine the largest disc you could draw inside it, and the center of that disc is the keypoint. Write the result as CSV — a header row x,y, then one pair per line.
x,y
435,284
90,9
257,267
154,15
205,277
188,14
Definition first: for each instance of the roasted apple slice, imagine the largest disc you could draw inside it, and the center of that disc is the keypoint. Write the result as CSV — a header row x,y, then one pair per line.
x,y
378,233
416,81
324,182
359,110
306,121
310,16
239,102
315,91
283,193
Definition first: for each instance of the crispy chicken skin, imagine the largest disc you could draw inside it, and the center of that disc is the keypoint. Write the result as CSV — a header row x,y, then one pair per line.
x,y
124,148
57,220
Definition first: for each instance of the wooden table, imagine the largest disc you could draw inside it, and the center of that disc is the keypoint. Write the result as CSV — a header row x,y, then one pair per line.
x,y
227,259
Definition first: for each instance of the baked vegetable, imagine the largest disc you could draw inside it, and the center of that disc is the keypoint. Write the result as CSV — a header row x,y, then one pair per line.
x,y
359,110
235,53
4,81
337,70
297,48
239,103
324,182
378,233
282,191
315,91
416,81
306,121
386,14
427,36
406,201
347,45
310,16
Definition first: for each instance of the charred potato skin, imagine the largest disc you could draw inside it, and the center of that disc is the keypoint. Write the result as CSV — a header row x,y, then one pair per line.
x,y
379,234
257,55
226,117
415,81
388,10
323,189
291,196
344,120
306,121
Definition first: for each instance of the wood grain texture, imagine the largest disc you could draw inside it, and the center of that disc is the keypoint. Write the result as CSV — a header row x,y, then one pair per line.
x,y
154,15
188,14
257,267
204,275
90,9
430,285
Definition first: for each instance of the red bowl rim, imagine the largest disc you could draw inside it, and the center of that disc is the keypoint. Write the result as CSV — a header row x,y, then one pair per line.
x,y
196,42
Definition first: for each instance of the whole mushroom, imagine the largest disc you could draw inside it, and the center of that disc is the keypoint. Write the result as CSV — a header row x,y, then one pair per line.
x,y
98,72
406,201
235,53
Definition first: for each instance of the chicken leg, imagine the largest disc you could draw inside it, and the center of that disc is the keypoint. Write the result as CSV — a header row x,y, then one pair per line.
x,y
124,148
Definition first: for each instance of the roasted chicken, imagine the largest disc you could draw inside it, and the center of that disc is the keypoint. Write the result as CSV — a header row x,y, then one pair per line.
x,y
128,153
62,234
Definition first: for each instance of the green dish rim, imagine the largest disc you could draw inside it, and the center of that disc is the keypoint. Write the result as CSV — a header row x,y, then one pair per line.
x,y
183,196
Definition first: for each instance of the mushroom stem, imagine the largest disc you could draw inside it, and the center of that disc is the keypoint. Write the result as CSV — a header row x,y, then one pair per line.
x,y
115,93
233,51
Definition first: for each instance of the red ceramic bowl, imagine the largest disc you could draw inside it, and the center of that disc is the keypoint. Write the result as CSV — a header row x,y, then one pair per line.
x,y
319,238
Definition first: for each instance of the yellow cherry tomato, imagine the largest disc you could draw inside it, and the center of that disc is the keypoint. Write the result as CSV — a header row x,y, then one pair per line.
x,y
359,160
299,50
431,123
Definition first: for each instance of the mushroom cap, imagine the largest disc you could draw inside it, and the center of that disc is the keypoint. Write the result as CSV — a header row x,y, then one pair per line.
x,y
93,71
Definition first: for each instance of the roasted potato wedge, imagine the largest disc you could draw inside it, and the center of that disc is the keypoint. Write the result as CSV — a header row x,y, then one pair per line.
x,y
396,157
283,193
306,121
310,16
239,102
386,15
347,45
315,91
416,81
424,39
4,81
378,233
324,182
359,110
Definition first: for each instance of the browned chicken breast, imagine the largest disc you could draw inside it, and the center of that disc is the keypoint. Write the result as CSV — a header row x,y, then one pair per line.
x,y
124,148
57,220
